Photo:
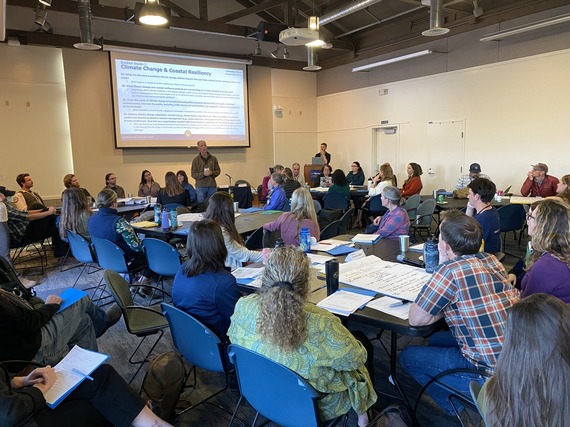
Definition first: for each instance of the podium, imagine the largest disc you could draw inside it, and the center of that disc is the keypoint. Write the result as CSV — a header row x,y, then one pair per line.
x,y
311,172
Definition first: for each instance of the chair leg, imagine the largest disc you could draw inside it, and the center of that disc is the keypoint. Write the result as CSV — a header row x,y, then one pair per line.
x,y
143,361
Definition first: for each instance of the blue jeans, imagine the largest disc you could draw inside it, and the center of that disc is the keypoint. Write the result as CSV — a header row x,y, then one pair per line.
x,y
204,193
67,328
441,354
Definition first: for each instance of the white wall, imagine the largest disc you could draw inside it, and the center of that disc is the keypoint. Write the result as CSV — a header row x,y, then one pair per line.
x,y
516,113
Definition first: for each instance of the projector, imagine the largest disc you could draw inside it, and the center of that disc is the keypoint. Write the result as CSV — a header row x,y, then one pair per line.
x,y
298,36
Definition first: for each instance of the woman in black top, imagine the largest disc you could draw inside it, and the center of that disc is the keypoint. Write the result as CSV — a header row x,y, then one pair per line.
x,y
290,184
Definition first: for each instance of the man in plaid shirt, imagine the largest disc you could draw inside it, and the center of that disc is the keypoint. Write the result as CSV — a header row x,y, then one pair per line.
x,y
471,292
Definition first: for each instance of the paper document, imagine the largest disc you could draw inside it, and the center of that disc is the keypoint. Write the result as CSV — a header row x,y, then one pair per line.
x,y
344,302
521,200
246,275
189,217
144,224
417,248
391,306
72,371
319,260
386,278
366,238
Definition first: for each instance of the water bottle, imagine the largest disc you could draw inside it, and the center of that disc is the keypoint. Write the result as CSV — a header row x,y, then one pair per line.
x,y
165,221
331,273
305,239
157,214
173,219
431,254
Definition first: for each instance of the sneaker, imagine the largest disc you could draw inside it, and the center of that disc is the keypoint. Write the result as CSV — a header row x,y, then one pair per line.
x,y
28,284
112,315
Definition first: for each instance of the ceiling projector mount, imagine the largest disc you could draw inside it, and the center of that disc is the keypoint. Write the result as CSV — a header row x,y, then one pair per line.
x,y
298,36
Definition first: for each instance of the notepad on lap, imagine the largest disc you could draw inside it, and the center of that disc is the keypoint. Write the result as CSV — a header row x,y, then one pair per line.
x,y
72,371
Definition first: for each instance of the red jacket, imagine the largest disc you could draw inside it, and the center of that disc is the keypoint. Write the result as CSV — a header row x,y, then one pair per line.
x,y
547,188
412,186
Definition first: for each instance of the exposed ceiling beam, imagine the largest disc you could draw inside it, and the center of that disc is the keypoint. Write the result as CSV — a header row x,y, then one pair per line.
x,y
268,17
180,11
249,11
203,5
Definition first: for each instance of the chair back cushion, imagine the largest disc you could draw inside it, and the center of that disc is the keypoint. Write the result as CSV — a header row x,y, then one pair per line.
x,y
119,288
161,257
275,391
109,255
80,247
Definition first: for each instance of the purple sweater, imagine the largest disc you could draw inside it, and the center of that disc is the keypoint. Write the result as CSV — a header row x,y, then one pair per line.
x,y
547,275
287,224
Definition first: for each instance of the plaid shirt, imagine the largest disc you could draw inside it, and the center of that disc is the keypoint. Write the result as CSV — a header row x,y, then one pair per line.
x,y
474,295
394,223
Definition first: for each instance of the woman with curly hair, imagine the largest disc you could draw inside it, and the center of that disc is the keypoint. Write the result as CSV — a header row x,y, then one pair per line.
x,y
531,385
562,190
278,323
302,215
221,210
412,185
75,213
548,268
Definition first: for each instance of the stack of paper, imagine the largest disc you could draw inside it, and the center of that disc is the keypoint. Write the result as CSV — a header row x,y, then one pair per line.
x,y
189,217
345,302
334,247
391,306
248,276
366,238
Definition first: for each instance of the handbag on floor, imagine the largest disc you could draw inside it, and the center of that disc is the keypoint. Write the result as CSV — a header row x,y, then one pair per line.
x,y
389,417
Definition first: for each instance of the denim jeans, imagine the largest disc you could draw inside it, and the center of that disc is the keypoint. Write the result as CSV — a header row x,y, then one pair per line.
x,y
67,328
204,193
441,354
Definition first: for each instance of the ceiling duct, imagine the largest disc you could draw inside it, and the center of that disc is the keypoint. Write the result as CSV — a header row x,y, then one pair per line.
x,y
435,20
344,11
312,60
85,27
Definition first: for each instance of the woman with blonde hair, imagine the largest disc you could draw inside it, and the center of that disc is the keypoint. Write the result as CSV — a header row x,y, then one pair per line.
x,y
221,210
173,192
383,178
75,213
278,323
302,215
548,268
531,385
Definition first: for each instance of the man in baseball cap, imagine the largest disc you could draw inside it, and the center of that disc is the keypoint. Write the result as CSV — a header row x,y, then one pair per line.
x,y
474,173
538,183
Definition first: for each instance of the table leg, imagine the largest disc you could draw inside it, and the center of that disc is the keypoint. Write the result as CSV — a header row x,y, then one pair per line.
x,y
393,371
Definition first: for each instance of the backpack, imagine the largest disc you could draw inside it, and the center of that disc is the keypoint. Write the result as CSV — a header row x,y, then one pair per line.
x,y
10,282
163,383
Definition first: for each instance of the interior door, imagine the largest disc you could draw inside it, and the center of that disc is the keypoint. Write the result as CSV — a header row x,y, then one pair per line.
x,y
386,147
445,155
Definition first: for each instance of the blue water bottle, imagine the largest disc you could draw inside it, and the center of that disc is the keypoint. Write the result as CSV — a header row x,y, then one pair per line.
x,y
431,254
157,213
305,239
173,219
165,221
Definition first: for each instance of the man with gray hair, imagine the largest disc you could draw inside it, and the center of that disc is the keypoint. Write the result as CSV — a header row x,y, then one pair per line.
x,y
538,183
297,175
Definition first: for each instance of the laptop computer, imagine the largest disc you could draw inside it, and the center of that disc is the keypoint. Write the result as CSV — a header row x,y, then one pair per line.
x,y
317,161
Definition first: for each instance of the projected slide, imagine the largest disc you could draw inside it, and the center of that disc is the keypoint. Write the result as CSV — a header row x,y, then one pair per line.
x,y
163,103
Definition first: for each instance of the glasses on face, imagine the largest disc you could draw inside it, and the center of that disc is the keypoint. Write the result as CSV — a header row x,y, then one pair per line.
x,y
529,216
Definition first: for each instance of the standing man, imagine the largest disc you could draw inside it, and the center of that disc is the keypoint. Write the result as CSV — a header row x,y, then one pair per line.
x,y
538,183
111,184
323,153
481,193
470,290
474,173
297,175
26,198
205,169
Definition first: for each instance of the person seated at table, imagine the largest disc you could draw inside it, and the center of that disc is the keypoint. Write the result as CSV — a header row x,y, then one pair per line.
x,y
107,224
221,210
203,287
302,215
531,384
266,182
356,175
276,199
538,183
172,193
75,213
183,180
111,184
105,400
474,173
147,186
290,184
324,179
470,290
480,195
413,184
297,175
280,324
339,184
381,180
562,189
26,199
395,222
548,267
71,181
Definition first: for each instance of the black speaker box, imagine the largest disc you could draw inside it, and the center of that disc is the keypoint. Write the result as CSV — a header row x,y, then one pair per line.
x,y
269,32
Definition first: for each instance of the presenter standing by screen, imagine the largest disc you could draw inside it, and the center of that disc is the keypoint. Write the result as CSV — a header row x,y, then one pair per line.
x,y
205,169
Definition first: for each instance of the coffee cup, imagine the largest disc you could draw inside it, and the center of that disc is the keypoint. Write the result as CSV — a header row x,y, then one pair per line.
x,y
236,206
404,243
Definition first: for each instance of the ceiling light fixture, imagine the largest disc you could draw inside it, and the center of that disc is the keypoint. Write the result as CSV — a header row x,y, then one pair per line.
x,y
435,20
312,60
285,53
477,10
524,28
152,13
392,60
45,2
275,53
257,50
314,23
41,15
